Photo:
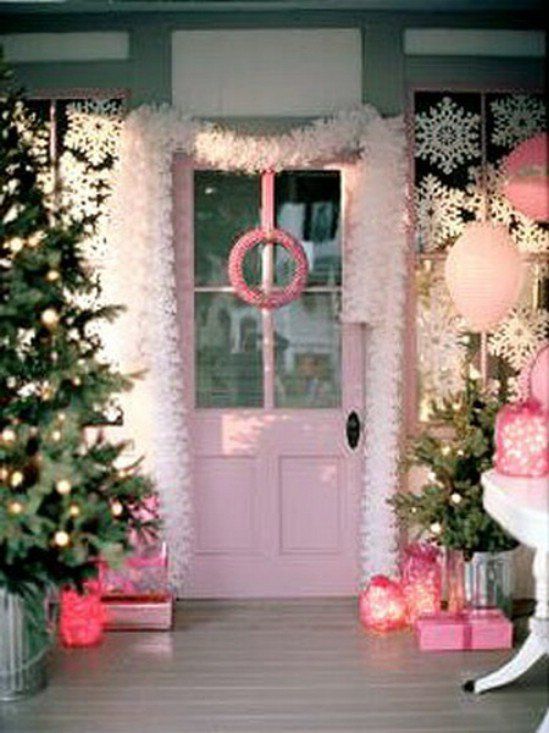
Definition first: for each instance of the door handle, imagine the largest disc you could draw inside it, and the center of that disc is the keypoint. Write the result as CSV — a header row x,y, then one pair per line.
x,y
352,429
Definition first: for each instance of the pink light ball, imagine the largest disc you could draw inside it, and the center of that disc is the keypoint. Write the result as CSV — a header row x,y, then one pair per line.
x,y
522,440
526,184
382,606
421,575
82,616
484,275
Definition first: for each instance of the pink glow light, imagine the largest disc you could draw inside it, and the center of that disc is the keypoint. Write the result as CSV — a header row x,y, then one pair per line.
x,y
382,606
81,616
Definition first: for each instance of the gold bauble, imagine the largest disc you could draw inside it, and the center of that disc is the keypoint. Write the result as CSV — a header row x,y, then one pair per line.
x,y
74,510
56,436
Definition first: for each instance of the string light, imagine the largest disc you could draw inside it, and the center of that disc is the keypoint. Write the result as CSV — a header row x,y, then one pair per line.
x,y
50,318
17,479
16,245
61,538
436,528
15,507
4,473
35,239
74,510
61,416
456,498
116,508
52,276
63,486
8,435
56,436
76,381
445,450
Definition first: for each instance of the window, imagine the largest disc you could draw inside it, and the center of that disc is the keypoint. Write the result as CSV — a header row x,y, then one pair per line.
x,y
460,140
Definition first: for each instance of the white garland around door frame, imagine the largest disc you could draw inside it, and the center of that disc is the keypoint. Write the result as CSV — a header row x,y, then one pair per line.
x,y
143,279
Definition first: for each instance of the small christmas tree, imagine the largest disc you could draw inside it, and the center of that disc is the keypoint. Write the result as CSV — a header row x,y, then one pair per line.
x,y
64,500
449,506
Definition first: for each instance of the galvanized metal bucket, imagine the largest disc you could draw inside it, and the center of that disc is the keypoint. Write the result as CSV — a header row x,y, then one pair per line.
x,y
489,581
25,639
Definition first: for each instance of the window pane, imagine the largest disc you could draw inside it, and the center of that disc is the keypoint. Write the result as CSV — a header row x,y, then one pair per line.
x,y
225,206
307,352
308,206
229,362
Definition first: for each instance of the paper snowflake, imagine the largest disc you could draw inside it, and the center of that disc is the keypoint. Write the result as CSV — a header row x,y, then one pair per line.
x,y
439,213
520,336
93,129
447,136
440,346
529,236
516,118
483,197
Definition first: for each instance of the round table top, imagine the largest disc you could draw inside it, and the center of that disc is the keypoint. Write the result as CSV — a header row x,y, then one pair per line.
x,y
520,505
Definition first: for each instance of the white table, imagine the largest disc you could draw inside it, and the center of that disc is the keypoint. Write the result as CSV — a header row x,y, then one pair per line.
x,y
521,506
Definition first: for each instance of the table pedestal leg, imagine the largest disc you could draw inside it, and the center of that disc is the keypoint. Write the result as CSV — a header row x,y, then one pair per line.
x,y
537,643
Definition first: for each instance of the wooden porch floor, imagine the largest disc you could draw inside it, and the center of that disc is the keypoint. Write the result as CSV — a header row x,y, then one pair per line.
x,y
259,666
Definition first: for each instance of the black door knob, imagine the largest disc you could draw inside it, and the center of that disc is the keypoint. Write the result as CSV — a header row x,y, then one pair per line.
x,y
353,429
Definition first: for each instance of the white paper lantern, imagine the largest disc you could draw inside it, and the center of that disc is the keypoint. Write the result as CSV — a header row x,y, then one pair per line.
x,y
484,275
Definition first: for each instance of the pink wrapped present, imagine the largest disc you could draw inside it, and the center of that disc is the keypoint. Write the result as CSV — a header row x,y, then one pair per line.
x,y
472,629
522,440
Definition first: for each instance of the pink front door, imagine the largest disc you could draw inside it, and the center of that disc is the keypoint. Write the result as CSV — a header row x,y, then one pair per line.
x,y
276,488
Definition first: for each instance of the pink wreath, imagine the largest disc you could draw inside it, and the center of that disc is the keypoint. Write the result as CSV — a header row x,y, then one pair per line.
x,y
256,296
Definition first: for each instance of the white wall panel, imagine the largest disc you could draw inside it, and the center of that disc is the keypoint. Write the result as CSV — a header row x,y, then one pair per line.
x,y
474,42
45,47
266,72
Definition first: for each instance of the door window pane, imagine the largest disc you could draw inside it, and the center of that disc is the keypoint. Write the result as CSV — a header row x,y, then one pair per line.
x,y
225,206
229,362
308,206
307,352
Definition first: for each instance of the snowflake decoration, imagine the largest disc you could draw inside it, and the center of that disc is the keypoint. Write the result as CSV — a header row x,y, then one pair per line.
x,y
482,195
439,213
516,118
447,136
529,236
441,348
93,129
520,336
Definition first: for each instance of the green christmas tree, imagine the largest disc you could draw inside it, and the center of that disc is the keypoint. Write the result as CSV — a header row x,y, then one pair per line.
x,y
449,509
64,500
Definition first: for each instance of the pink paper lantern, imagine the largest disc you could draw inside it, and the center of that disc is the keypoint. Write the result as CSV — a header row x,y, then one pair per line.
x,y
522,440
421,578
534,378
484,274
82,616
526,184
382,606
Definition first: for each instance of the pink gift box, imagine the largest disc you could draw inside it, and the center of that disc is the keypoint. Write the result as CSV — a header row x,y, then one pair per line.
x,y
472,629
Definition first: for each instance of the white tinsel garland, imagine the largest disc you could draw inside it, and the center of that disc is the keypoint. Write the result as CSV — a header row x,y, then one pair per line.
x,y
374,290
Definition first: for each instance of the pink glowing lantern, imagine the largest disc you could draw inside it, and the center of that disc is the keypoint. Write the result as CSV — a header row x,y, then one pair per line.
x,y
526,184
382,606
484,274
82,616
522,440
421,579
